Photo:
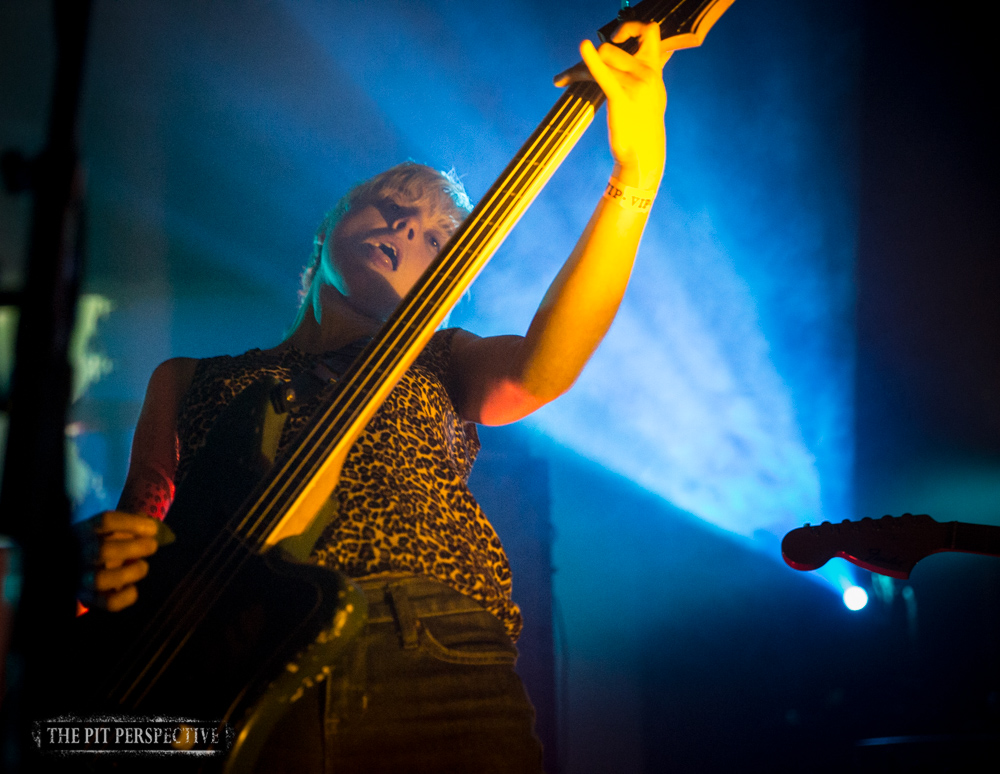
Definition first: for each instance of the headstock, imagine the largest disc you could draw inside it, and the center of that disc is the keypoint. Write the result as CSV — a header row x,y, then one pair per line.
x,y
683,23
889,546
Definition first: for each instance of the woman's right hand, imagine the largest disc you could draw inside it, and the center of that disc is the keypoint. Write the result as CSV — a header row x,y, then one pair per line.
x,y
115,545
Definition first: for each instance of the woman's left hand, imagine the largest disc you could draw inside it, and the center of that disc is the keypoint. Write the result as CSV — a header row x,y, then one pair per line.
x,y
637,100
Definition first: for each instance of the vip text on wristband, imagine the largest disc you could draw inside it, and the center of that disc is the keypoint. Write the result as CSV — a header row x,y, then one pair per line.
x,y
629,198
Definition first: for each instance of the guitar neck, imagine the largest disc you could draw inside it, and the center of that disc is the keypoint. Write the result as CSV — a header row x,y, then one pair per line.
x,y
301,478
975,538
299,484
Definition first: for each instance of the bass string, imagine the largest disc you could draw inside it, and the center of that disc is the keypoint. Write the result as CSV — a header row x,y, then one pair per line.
x,y
158,640
431,296
431,299
440,285
359,377
185,611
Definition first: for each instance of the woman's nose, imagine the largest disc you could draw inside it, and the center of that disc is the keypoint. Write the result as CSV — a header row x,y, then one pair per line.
x,y
406,223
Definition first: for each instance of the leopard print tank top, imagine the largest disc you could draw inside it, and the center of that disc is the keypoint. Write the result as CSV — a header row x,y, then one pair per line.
x,y
402,501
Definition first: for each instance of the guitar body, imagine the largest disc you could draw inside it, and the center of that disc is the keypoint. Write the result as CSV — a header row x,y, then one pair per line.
x,y
220,633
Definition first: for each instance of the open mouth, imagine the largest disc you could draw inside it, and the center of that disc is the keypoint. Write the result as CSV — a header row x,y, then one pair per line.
x,y
390,251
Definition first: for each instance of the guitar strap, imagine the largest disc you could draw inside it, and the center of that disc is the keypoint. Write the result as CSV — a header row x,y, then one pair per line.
x,y
305,386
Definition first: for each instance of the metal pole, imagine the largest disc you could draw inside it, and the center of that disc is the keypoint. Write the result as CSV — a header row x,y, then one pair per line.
x,y
34,507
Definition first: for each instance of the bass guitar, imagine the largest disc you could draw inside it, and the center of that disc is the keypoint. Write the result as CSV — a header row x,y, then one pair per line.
x,y
227,623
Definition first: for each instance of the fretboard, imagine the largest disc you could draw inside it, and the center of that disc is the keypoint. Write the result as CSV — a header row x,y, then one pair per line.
x,y
400,340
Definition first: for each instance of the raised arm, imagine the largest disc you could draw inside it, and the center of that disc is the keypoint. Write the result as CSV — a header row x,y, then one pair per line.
x,y
504,378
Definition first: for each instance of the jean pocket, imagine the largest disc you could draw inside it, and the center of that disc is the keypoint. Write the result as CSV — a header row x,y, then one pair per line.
x,y
473,639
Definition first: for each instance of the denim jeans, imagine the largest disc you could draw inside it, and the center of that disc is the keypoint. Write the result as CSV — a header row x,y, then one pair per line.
x,y
428,687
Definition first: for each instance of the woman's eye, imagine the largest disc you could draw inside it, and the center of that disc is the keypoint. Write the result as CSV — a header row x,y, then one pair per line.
x,y
392,211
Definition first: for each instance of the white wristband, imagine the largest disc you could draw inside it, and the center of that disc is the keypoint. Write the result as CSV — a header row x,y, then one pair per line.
x,y
629,198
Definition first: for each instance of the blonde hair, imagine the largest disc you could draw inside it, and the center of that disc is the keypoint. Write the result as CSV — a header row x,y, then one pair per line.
x,y
411,185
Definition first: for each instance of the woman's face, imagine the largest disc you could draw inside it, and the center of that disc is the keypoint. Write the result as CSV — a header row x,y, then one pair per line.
x,y
378,251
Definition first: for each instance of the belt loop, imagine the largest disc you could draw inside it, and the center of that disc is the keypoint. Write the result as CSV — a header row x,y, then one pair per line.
x,y
405,617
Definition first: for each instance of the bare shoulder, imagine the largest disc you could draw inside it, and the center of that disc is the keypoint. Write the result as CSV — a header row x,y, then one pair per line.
x,y
487,379
176,369
479,358
465,344
171,378
461,340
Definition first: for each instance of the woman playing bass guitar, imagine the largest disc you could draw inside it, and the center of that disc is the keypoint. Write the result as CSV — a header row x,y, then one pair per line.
x,y
430,685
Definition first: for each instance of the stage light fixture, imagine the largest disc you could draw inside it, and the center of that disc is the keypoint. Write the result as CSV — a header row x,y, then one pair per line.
x,y
855,598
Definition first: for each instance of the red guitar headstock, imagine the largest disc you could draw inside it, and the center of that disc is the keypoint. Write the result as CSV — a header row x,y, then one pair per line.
x,y
889,546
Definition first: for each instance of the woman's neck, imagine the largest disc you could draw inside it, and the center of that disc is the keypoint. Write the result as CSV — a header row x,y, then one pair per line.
x,y
340,325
